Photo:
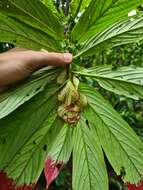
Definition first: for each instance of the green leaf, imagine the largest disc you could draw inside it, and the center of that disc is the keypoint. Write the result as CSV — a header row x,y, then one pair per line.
x,y
62,147
11,100
121,33
51,5
89,170
26,135
123,148
16,32
127,81
77,6
33,13
101,14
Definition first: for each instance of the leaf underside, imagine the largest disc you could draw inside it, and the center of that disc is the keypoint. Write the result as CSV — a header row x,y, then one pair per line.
x,y
125,32
89,170
127,81
15,97
29,137
35,14
122,146
100,15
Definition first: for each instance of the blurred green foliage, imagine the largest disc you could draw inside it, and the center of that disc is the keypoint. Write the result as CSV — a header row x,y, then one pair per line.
x,y
4,47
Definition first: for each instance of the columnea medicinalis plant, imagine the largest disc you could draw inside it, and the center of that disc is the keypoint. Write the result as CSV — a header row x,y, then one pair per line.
x,y
59,112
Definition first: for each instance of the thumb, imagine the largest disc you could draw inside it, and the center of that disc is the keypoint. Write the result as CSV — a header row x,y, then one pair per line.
x,y
50,59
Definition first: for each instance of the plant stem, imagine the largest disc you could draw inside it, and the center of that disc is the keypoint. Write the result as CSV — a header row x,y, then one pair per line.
x,y
67,7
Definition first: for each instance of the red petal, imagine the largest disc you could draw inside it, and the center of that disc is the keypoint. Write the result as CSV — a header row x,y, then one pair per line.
x,y
52,170
9,184
135,187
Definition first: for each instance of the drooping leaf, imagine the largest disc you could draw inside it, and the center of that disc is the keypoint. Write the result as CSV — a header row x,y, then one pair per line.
x,y
16,32
101,14
25,141
59,154
126,81
121,33
51,170
33,13
89,171
122,146
9,101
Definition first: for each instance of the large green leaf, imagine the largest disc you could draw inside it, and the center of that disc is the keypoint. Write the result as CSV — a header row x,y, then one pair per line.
x,y
33,13
25,137
121,33
101,14
21,34
121,145
126,81
89,170
12,99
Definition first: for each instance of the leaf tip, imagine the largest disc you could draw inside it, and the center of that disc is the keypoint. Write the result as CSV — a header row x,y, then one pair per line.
x,y
52,169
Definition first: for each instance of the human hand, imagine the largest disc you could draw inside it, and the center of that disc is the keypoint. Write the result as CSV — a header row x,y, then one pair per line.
x,y
18,64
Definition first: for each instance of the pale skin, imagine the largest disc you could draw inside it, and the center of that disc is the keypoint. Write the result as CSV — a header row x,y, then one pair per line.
x,y
17,64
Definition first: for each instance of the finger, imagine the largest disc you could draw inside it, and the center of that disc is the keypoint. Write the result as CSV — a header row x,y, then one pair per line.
x,y
53,59
17,49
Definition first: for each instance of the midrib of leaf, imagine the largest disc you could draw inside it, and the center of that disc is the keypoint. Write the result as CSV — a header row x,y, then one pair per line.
x,y
28,13
116,139
85,149
87,162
